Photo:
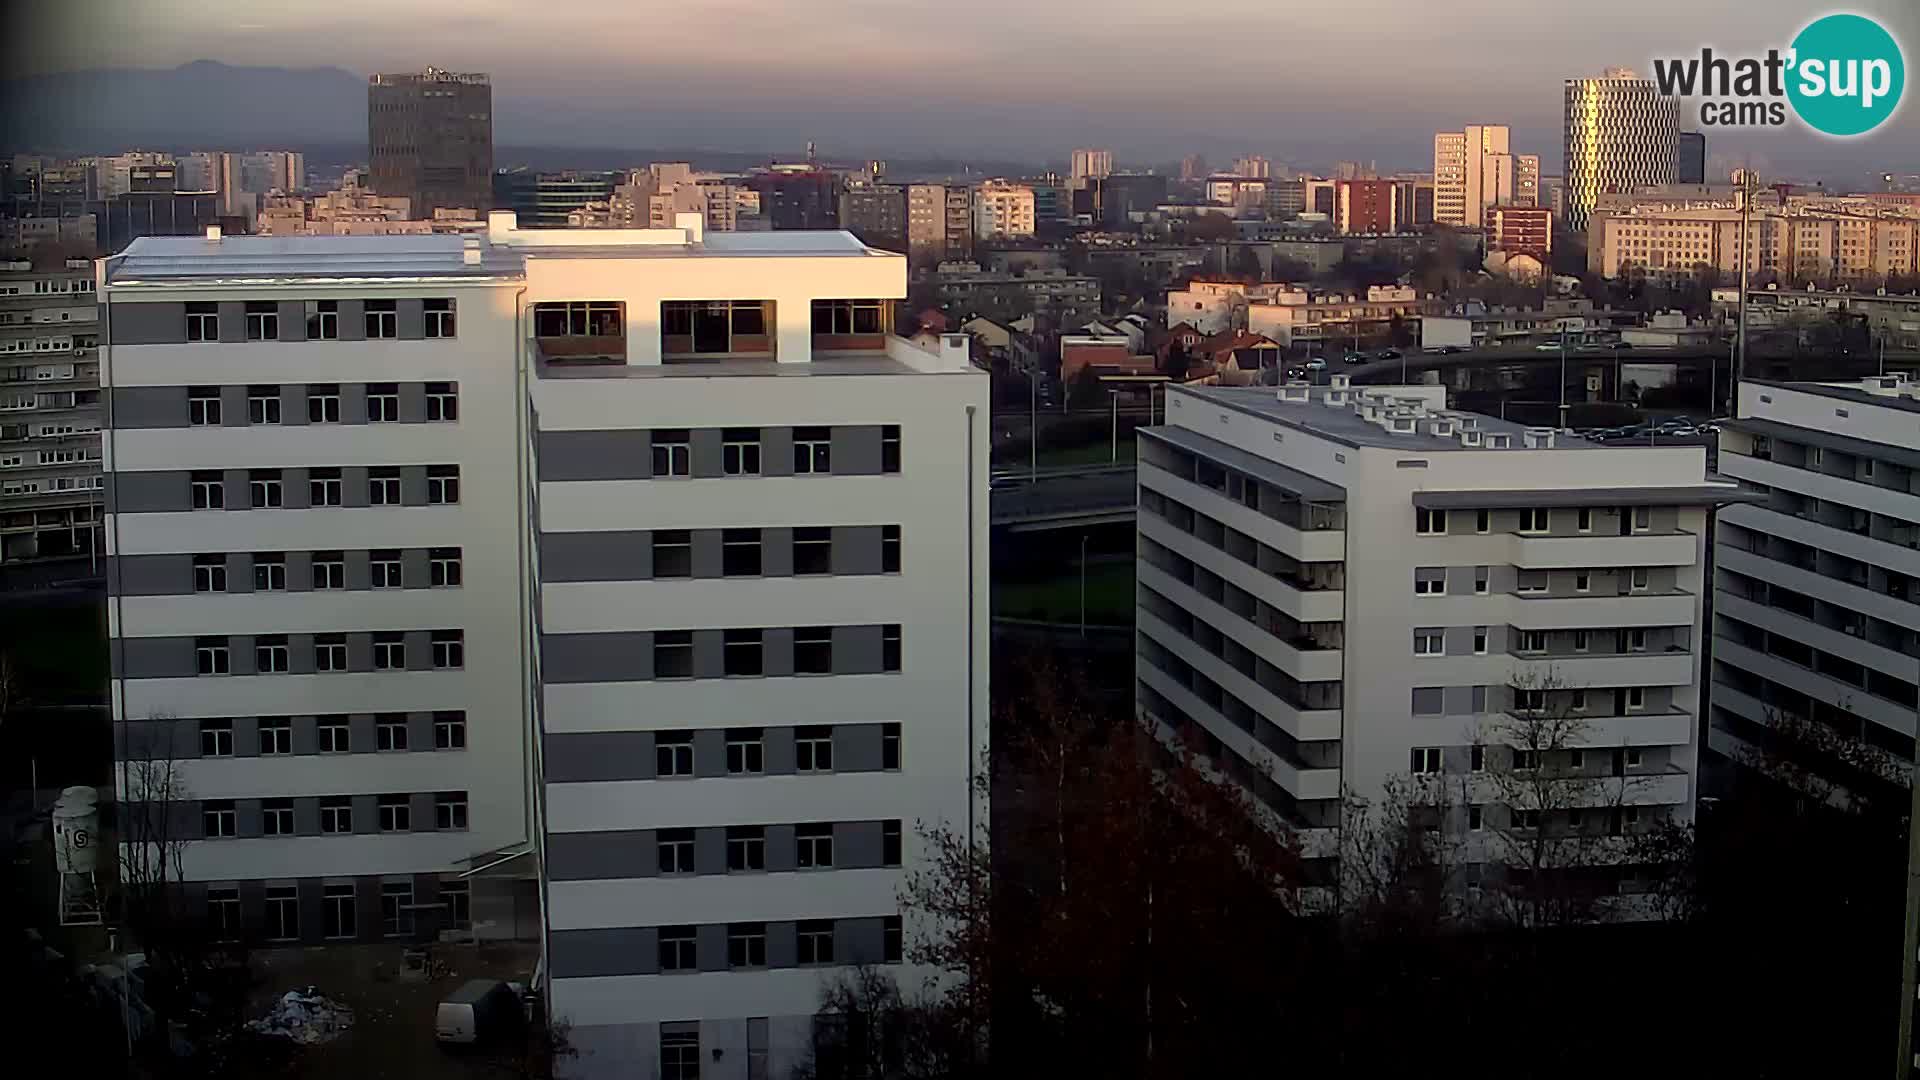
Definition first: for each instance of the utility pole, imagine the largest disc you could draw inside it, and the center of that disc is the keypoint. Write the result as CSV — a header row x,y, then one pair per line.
x,y
1033,422
1563,378
1115,396
1748,252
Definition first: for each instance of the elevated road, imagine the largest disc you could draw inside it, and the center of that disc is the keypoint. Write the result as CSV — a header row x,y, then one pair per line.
x,y
1415,361
1063,498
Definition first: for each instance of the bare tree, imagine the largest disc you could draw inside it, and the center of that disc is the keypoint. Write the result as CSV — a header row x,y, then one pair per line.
x,y
153,790
1398,863
867,1029
1821,765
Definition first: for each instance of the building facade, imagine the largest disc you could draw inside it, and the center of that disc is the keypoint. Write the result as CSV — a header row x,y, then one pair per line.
x,y
1344,586
1520,230
876,213
1817,590
1691,167
1365,207
1003,210
695,471
939,222
1619,132
1476,168
50,480
545,199
1090,164
1823,241
431,136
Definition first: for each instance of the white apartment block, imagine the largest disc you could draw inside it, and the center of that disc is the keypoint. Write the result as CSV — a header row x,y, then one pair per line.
x,y
49,412
1817,598
1003,210
1089,164
1474,169
1343,585
718,544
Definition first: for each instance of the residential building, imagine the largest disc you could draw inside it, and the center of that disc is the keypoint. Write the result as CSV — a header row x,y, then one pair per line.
x,y
1892,318
966,290
1286,199
798,196
939,223
1520,230
544,200
324,585
1620,133
1291,313
876,213
1193,167
121,219
112,176
1364,207
1820,240
1238,192
432,138
1003,210
724,198
1090,165
1476,168
1690,167
1254,166
1344,587
1817,598
1412,202
50,486
1119,196
23,234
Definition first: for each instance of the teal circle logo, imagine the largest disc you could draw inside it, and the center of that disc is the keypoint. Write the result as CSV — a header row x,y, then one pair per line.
x,y
1847,75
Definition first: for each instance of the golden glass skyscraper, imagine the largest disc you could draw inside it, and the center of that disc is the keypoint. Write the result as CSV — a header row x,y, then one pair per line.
x,y
1620,133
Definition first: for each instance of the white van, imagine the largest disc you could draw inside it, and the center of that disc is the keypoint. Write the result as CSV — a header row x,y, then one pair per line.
x,y
482,1010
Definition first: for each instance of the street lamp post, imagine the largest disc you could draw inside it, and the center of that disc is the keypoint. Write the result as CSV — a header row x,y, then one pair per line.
x,y
1083,584
1114,395
1563,378
1033,422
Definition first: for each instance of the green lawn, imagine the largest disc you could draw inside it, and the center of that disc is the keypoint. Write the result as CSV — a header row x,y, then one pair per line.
x,y
1099,453
1109,596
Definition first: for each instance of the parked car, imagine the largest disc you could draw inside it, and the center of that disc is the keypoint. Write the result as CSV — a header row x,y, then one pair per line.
x,y
1552,346
1387,354
1295,371
1355,358
1316,364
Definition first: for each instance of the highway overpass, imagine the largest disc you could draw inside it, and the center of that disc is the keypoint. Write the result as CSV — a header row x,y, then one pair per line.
x,y
1063,498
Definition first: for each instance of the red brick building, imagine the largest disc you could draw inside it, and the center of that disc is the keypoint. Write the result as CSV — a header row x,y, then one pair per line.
x,y
1364,207
1520,230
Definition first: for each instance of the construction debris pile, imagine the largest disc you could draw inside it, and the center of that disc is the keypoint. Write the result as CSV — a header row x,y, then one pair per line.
x,y
307,1019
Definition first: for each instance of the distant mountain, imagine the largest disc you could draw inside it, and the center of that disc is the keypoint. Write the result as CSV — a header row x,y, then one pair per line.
x,y
202,104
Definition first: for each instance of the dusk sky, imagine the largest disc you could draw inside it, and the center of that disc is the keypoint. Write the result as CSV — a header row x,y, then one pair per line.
x,y
1154,80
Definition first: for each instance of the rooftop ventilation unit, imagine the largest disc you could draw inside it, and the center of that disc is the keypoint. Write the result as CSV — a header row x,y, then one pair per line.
x,y
1498,440
1537,438
1339,382
1439,428
1469,437
1295,391
1336,397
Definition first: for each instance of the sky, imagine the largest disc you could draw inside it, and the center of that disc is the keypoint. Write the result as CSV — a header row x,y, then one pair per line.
x,y
1153,80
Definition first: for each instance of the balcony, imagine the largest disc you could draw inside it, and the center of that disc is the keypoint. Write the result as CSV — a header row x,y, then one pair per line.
x,y
1650,727
1816,685
1674,607
1300,780
694,331
1530,552
1576,670
1297,722
1819,485
1301,659
1282,593
1319,541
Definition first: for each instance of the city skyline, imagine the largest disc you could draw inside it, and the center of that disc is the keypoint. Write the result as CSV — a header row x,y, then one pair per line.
x,y
1124,84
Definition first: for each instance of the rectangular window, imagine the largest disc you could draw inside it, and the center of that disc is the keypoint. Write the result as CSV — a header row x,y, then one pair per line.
x,y
269,571
580,318
1636,697
384,568
1429,580
216,738
263,489
679,1054
1531,641
1429,643
672,553
1636,641
813,650
1529,700
443,402
203,406
740,451
450,730
223,914
1481,578
673,654
813,749
325,487
1577,700
450,810
396,908
889,549
1526,819
889,746
276,817
203,321
210,656
323,403
890,448
740,552
323,320
815,846
337,911
812,450
209,573
383,486
1479,641
449,649
263,404
815,940
1535,520
1478,757
443,485
746,848
1525,760
396,813
1582,640
673,754
389,651
746,752
747,945
382,318
890,843
276,735
676,850
1531,582
672,452
1426,760
1482,520
1585,519
330,652
1638,579
383,403
813,550
390,732
336,735
1642,518
283,913
1429,522
1583,582
1474,819
741,652
219,819
336,814
439,316
209,491
443,567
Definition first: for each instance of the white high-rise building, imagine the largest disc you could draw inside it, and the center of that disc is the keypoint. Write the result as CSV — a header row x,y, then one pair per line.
x,y
1620,133
1090,165
632,578
1003,209
50,483
1476,168
1817,602
1339,586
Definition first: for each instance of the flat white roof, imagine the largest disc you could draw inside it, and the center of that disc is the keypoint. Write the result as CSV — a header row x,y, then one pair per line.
x,y
269,258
